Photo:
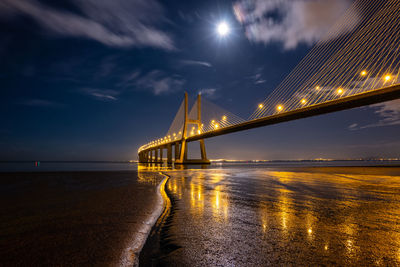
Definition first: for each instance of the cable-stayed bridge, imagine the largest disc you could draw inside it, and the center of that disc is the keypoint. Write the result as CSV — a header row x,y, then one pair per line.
x,y
357,63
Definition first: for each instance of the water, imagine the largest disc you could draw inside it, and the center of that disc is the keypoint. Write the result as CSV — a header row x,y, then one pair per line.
x,y
46,166
241,215
66,166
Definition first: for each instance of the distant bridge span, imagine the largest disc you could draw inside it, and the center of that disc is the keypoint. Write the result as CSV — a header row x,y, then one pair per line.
x,y
154,154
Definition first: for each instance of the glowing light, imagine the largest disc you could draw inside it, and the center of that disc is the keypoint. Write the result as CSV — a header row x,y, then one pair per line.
x,y
303,101
216,126
340,91
279,108
387,77
224,118
364,73
223,29
180,132
213,121
174,134
198,131
317,87
260,106
309,230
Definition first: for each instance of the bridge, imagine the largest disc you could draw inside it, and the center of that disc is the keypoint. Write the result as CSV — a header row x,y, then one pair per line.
x,y
358,68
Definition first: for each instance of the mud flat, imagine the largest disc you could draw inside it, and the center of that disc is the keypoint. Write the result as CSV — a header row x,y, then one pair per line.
x,y
260,216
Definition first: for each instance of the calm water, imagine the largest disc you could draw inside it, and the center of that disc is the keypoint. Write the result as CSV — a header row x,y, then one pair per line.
x,y
257,216
126,166
66,166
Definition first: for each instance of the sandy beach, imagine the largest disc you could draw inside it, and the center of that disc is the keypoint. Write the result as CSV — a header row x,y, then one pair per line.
x,y
74,218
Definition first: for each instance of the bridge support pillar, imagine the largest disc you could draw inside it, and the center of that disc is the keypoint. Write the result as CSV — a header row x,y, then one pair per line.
x,y
176,151
161,154
183,155
169,154
143,157
156,155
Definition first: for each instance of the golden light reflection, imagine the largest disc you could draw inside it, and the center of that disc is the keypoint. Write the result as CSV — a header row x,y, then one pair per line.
x,y
264,218
196,199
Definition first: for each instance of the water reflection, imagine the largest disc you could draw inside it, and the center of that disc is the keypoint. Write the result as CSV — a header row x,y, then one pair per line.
x,y
292,217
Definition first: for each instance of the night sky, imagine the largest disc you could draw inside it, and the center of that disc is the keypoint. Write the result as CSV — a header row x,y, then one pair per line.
x,y
96,79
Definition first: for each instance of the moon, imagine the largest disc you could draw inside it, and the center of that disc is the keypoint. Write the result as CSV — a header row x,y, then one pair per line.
x,y
223,29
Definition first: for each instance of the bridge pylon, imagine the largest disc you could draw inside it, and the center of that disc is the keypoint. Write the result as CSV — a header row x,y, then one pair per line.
x,y
183,150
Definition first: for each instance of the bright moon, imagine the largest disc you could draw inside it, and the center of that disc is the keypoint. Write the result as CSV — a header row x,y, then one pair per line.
x,y
223,29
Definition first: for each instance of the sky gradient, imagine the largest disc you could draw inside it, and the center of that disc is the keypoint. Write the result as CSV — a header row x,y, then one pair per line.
x,y
94,80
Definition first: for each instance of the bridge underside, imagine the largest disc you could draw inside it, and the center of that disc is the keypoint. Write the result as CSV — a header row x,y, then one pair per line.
x,y
155,155
363,99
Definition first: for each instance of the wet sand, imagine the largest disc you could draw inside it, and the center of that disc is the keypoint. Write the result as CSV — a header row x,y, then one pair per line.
x,y
74,218
275,216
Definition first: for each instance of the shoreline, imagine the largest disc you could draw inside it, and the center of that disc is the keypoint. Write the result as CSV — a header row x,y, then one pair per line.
x,y
159,243
130,255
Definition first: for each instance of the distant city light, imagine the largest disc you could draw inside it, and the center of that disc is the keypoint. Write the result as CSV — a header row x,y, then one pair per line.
x,y
223,29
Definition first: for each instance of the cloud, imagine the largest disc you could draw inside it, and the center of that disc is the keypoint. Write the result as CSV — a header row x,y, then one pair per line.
x,y
102,94
389,113
195,63
291,22
353,126
120,23
158,82
209,92
42,103
257,77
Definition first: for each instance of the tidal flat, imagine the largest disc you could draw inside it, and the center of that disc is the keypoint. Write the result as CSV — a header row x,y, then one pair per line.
x,y
259,216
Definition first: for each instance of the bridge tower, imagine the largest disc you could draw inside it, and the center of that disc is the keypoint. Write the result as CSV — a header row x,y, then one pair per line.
x,y
183,150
